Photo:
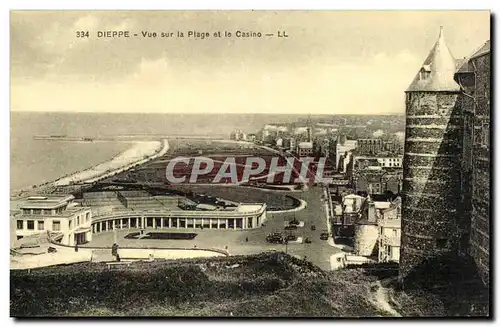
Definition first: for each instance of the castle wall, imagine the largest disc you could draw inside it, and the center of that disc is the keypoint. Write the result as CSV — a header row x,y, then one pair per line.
x,y
481,197
431,176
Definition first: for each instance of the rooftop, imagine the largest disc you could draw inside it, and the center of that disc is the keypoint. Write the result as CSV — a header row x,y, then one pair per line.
x,y
485,49
305,145
65,214
253,207
45,202
464,66
437,71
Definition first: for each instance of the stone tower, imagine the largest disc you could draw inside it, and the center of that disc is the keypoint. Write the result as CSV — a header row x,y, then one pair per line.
x,y
431,189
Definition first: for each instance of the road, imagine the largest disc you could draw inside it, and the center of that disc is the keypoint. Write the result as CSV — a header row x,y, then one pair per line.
x,y
318,252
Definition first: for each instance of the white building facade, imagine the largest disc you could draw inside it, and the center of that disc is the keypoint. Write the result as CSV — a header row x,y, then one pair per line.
x,y
57,214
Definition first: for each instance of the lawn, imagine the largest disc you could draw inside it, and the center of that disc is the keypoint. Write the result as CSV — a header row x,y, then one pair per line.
x,y
274,200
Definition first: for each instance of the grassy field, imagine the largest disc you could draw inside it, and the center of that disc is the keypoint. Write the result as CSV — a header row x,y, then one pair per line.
x,y
274,200
263,285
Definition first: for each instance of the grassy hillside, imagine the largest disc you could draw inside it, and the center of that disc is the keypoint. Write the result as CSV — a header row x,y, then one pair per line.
x,y
262,285
269,284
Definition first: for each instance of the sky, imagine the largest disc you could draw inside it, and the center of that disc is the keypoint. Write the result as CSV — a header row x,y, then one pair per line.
x,y
332,62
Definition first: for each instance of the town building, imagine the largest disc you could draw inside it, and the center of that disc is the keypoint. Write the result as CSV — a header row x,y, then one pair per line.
x,y
251,137
305,149
342,150
361,161
346,214
446,189
289,143
370,146
378,231
389,246
68,220
238,135
377,180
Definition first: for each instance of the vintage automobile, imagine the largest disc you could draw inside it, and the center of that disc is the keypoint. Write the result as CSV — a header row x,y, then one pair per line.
x,y
276,238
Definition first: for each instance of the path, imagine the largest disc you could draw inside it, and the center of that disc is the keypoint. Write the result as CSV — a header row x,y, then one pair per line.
x,y
381,300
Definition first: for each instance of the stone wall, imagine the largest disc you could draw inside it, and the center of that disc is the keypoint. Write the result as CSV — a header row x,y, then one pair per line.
x,y
481,198
431,177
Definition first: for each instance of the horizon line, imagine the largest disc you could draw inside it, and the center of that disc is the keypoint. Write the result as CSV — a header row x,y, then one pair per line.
x,y
206,113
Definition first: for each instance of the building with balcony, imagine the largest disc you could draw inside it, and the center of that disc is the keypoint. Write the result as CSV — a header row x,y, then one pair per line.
x,y
59,215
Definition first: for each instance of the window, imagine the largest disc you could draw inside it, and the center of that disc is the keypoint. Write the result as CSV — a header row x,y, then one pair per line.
x,y
425,72
47,212
485,142
26,211
87,217
70,223
37,211
20,224
31,224
56,225
41,225
78,220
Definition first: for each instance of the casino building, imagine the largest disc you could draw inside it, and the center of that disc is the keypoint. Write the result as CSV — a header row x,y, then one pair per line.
x,y
67,220
244,216
71,221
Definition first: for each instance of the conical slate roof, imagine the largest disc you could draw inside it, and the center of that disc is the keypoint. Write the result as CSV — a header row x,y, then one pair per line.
x,y
437,71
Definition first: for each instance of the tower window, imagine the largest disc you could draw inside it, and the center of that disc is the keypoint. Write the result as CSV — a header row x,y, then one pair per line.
x,y
425,72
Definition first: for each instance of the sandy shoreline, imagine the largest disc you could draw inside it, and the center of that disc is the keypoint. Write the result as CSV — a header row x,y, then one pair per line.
x,y
140,153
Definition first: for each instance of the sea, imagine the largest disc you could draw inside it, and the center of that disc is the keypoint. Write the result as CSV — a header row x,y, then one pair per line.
x,y
34,162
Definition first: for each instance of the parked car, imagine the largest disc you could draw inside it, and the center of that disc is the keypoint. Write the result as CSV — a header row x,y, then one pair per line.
x,y
313,227
51,250
323,236
291,237
290,227
293,222
276,238
307,240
